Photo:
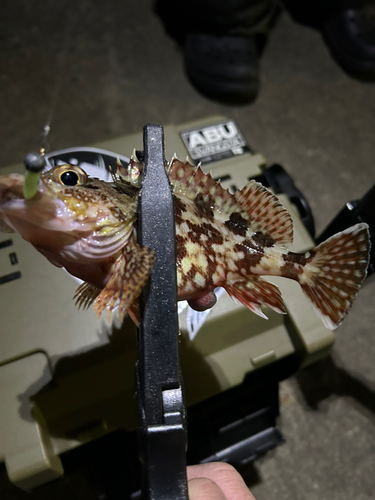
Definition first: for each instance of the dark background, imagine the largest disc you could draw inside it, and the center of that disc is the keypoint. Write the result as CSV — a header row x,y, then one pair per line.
x,y
104,69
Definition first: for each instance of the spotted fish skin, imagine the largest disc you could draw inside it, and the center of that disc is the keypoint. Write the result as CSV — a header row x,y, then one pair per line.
x,y
222,239
232,240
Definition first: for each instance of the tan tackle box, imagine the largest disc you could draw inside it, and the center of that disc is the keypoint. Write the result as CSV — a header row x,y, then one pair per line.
x,y
67,378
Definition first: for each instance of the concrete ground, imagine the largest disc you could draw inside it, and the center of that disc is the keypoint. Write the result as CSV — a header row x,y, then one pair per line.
x,y
104,69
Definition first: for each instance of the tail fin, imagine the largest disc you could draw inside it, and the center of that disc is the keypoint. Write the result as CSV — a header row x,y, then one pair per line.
x,y
331,280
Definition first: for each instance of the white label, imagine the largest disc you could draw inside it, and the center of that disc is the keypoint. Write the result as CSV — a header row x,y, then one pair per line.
x,y
195,319
214,142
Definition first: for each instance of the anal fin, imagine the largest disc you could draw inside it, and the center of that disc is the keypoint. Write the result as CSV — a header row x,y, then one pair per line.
x,y
255,292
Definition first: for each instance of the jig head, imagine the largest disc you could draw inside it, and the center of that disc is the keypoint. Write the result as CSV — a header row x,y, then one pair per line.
x,y
34,164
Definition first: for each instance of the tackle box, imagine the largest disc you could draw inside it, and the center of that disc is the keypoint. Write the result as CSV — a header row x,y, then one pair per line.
x,y
67,379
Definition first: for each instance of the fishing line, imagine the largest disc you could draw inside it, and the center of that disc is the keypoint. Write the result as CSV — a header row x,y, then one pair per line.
x,y
60,77
35,162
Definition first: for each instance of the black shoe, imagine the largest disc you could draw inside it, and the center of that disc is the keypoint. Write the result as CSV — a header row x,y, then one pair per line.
x,y
222,41
348,28
350,36
224,68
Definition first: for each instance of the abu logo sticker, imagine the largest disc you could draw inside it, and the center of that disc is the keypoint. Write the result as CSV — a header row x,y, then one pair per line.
x,y
215,142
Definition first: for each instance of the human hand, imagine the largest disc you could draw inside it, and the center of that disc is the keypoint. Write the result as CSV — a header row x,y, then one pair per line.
x,y
216,481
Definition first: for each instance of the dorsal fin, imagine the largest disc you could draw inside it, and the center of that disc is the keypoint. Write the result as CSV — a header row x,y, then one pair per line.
x,y
132,173
254,202
266,210
191,182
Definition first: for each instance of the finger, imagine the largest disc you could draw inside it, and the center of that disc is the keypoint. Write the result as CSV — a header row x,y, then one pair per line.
x,y
203,303
202,488
225,476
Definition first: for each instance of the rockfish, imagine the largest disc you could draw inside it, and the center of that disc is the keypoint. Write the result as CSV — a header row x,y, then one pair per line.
x,y
89,227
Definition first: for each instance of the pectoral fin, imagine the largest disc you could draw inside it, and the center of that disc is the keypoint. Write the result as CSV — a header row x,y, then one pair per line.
x,y
85,295
131,271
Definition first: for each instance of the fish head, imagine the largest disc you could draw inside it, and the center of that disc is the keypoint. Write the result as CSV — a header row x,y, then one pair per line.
x,y
72,215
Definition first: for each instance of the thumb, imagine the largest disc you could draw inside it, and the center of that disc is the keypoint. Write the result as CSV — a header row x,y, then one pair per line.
x,y
202,488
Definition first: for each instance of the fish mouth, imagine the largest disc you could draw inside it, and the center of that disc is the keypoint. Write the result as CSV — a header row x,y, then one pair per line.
x,y
47,221
35,219
11,190
11,187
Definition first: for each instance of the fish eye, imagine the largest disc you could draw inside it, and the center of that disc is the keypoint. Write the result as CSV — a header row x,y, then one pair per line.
x,y
69,178
70,175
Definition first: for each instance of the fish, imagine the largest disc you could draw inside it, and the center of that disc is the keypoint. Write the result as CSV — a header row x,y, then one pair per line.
x,y
230,240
